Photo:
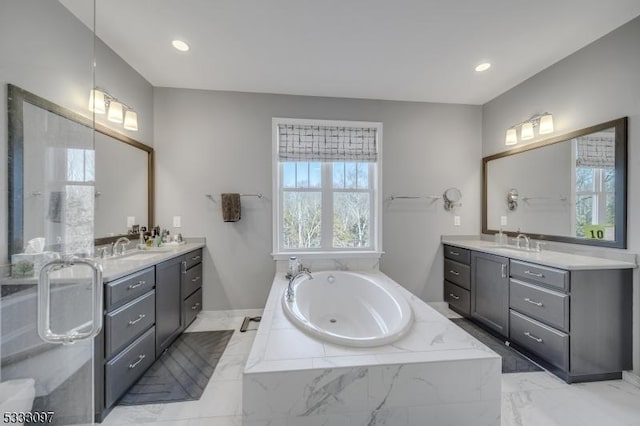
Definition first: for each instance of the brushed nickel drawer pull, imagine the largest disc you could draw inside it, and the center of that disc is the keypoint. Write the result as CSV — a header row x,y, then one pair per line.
x,y
454,296
193,280
526,299
135,364
135,321
194,307
504,270
195,258
455,253
531,336
528,272
132,286
454,272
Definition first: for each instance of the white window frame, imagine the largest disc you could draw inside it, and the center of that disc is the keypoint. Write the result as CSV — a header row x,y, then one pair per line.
x,y
375,173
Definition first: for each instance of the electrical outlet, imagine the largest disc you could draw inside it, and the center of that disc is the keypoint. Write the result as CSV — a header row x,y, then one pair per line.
x,y
177,221
131,220
503,221
456,221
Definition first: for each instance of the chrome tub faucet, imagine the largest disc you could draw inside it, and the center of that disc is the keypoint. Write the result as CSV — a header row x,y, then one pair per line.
x,y
293,279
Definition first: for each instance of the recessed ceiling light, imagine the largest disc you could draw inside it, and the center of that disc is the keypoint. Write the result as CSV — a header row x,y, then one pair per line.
x,y
180,45
483,67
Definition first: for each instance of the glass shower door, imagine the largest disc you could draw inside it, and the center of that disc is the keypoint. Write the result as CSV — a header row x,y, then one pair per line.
x,y
51,290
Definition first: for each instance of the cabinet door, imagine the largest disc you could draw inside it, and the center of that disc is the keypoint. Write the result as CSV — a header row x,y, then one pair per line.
x,y
168,302
490,291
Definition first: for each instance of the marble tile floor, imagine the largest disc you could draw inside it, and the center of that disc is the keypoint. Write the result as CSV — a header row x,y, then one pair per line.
x,y
528,399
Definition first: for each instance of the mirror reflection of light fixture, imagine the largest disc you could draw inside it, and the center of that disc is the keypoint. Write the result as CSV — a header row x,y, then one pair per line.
x,y
100,101
451,198
544,122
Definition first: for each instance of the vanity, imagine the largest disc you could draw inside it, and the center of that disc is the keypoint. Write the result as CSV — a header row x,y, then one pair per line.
x,y
570,313
149,301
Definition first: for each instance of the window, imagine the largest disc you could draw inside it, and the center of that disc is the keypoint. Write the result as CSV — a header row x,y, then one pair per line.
x,y
594,174
326,186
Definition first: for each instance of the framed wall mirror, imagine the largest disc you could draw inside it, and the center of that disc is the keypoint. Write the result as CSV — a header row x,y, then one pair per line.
x,y
118,172
571,188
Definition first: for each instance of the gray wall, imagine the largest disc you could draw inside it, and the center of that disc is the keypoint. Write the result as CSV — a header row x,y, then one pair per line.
x,y
47,51
211,142
598,83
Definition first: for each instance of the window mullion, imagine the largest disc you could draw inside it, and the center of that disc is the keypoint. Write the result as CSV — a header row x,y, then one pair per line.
x,y
327,206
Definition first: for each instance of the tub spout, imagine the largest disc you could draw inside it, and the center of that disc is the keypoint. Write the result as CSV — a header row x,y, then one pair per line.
x,y
292,280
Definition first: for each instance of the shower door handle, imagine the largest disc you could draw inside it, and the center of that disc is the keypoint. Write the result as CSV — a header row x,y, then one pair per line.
x,y
44,303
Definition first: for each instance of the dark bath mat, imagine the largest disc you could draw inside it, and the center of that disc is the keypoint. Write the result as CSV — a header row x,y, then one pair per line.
x,y
182,372
512,360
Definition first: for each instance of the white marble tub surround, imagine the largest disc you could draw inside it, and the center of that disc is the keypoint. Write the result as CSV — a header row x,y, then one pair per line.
x,y
558,259
348,308
436,371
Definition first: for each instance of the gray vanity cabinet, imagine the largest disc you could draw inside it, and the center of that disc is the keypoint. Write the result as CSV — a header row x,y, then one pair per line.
x,y
168,302
191,287
490,291
576,323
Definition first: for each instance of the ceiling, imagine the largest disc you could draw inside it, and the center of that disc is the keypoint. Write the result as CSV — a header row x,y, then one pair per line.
x,y
411,50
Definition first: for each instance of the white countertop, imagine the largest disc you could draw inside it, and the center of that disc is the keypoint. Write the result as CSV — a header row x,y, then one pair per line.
x,y
280,346
115,267
546,257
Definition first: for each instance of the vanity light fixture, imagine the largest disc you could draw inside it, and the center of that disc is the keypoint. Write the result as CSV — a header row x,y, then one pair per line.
x,y
512,137
131,120
97,101
544,122
115,112
100,102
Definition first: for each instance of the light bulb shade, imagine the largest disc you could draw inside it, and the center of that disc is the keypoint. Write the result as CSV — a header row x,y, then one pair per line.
x,y
546,124
526,132
115,112
96,101
512,137
131,120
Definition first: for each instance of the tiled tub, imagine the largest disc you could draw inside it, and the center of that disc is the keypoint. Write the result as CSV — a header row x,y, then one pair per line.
x,y
436,374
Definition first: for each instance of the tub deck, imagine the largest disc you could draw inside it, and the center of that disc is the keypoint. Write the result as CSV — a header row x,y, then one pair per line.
x,y
436,370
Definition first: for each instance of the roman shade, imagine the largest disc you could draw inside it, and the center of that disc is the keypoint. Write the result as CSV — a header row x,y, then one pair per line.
x,y
326,143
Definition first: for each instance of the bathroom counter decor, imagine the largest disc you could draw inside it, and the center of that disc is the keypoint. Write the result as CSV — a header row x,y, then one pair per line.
x,y
436,371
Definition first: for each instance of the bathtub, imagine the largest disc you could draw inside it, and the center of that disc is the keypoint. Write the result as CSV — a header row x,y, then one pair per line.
x,y
348,308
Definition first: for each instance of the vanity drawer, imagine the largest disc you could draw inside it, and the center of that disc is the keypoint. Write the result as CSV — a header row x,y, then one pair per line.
x,y
550,344
192,280
457,273
123,371
128,288
191,306
458,254
458,298
193,258
552,277
128,322
547,306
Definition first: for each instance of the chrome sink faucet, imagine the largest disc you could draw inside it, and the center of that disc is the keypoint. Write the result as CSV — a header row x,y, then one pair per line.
x,y
526,241
292,280
125,241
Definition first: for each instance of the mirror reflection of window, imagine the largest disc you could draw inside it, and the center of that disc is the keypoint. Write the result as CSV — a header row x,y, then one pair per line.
x,y
594,171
